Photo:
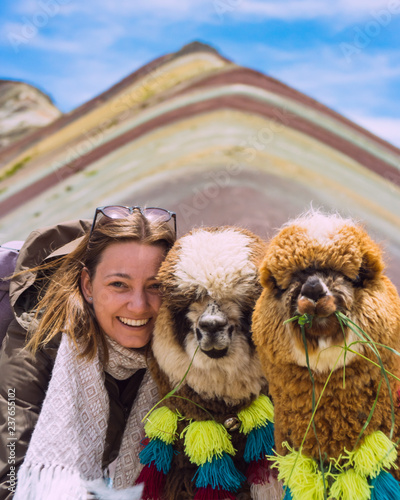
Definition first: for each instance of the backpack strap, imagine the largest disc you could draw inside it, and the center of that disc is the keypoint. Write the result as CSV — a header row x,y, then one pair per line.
x,y
8,258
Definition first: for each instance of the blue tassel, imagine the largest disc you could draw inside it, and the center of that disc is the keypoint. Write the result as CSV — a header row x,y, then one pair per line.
x,y
220,473
288,493
384,487
259,443
158,452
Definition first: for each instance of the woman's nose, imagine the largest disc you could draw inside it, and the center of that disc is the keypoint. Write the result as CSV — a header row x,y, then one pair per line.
x,y
138,301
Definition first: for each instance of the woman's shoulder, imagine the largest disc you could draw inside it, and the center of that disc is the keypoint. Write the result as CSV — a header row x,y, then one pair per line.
x,y
41,245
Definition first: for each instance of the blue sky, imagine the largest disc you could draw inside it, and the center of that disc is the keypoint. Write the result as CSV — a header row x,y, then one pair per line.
x,y
345,53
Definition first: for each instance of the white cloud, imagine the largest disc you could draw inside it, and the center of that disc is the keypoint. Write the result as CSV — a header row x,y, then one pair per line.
x,y
325,68
81,41
289,10
173,10
51,7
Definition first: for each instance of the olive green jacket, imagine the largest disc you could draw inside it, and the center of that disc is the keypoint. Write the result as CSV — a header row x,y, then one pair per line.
x,y
24,378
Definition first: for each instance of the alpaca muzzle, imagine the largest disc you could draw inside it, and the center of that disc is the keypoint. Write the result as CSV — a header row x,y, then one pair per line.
x,y
213,331
315,298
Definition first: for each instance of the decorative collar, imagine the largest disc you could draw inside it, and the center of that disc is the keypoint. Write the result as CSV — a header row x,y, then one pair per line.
x,y
363,476
208,445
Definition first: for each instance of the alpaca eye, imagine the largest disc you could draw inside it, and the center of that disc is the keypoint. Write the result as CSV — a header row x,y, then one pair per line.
x,y
278,290
362,275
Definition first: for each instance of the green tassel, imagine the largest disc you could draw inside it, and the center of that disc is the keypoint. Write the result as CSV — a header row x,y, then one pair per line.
x,y
300,474
376,453
162,423
256,415
205,440
350,486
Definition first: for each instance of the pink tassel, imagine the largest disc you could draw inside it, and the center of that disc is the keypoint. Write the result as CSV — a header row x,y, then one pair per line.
x,y
398,397
259,472
210,494
154,482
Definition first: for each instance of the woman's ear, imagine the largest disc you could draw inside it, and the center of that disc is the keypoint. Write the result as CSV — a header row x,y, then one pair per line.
x,y
86,285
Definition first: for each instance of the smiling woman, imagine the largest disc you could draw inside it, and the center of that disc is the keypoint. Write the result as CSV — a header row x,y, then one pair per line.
x,y
124,291
92,307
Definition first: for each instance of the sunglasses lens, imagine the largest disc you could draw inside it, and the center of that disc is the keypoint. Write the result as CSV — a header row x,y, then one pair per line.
x,y
120,212
156,214
116,212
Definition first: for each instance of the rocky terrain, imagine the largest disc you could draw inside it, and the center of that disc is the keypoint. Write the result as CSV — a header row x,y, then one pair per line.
x,y
23,108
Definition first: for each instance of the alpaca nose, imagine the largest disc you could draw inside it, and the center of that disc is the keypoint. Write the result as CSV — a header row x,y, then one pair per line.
x,y
212,324
313,289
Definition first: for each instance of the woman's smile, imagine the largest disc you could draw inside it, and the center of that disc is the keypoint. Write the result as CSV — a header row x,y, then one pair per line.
x,y
134,322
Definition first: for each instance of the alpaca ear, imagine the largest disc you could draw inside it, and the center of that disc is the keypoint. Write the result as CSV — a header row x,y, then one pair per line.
x,y
372,262
265,275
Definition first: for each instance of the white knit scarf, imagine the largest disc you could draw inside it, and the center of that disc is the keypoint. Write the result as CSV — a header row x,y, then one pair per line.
x,y
64,458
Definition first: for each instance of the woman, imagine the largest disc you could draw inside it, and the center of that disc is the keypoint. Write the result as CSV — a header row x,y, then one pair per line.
x,y
104,298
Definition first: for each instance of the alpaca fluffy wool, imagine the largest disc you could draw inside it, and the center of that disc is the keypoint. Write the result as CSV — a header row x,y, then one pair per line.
x,y
341,256
213,262
209,269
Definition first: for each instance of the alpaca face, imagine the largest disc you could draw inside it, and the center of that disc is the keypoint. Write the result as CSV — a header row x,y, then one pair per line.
x,y
210,285
319,266
320,293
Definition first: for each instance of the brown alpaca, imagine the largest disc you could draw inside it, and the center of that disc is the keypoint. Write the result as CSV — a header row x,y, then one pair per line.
x,y
210,284
320,265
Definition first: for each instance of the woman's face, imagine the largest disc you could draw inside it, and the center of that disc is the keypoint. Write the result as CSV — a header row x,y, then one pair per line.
x,y
124,291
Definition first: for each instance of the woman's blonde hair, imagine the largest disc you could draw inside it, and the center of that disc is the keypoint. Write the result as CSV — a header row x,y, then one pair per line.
x,y
62,306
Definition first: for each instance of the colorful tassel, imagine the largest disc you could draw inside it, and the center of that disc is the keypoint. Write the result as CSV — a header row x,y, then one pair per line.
x,y
220,473
377,452
158,452
385,487
259,472
259,443
211,494
162,424
300,473
206,439
154,482
288,494
349,485
256,415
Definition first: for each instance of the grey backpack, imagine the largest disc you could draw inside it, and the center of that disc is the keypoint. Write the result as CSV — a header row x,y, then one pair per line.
x,y
8,258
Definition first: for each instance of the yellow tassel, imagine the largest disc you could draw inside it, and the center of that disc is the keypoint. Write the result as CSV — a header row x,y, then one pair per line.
x,y
206,439
256,414
300,474
349,486
162,424
377,452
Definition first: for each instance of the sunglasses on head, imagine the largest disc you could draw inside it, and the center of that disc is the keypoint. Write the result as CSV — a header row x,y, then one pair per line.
x,y
152,214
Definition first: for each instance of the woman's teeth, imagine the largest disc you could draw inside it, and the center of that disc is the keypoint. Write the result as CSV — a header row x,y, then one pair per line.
x,y
134,322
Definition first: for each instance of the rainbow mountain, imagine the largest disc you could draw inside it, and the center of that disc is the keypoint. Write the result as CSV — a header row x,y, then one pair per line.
x,y
216,142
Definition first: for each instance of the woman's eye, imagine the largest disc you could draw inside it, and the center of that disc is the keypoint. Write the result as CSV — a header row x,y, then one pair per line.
x,y
155,286
118,284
